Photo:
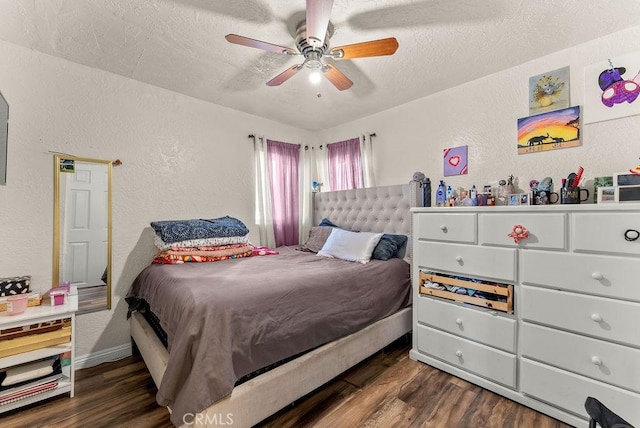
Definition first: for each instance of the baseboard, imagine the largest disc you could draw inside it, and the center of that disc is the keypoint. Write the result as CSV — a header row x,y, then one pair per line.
x,y
104,356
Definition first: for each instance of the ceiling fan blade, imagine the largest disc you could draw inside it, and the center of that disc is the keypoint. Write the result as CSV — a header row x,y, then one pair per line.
x,y
336,77
285,75
318,14
360,50
258,44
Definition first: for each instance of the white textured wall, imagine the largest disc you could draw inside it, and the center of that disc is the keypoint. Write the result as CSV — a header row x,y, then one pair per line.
x,y
483,115
182,158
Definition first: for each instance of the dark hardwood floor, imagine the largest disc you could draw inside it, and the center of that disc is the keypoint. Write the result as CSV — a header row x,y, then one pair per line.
x,y
387,390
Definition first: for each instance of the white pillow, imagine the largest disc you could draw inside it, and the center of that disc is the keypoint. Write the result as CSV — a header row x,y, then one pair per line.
x,y
350,246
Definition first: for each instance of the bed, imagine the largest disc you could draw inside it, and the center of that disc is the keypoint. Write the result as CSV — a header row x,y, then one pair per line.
x,y
328,351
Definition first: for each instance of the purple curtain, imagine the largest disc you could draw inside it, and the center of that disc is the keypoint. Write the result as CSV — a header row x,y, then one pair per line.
x,y
283,160
345,166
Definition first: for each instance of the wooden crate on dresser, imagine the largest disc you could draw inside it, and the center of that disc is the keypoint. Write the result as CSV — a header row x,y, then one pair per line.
x,y
574,272
38,341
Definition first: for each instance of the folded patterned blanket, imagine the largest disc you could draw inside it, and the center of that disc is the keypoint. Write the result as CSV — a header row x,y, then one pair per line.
x,y
198,256
211,250
211,254
171,231
198,243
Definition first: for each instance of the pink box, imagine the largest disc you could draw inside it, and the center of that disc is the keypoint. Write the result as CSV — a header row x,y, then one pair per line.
x,y
58,297
17,304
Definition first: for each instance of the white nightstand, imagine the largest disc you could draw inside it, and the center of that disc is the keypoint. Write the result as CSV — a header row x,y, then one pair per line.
x,y
42,314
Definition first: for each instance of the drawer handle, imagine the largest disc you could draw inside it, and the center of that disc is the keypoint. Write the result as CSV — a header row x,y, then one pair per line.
x,y
443,228
459,353
459,321
631,235
597,275
518,233
596,317
596,360
459,259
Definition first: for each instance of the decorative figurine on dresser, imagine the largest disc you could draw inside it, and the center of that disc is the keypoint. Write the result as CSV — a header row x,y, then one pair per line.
x,y
539,304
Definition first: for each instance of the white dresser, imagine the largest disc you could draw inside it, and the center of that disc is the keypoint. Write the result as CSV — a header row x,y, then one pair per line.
x,y
573,329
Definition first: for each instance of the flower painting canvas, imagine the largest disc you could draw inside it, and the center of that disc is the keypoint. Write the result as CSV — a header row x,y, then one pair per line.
x,y
455,161
612,88
548,131
549,91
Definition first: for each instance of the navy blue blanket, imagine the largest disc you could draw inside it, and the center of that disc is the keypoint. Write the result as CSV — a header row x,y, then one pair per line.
x,y
181,230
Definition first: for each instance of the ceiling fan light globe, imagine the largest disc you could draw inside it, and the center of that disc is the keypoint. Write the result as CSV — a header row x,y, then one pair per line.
x,y
315,76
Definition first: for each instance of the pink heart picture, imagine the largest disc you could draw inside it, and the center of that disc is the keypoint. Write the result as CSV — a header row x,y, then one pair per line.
x,y
455,160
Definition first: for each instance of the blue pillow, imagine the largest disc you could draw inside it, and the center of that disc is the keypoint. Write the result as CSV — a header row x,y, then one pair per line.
x,y
389,246
327,222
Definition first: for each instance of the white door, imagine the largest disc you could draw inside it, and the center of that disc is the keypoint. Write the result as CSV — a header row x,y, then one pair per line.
x,y
86,201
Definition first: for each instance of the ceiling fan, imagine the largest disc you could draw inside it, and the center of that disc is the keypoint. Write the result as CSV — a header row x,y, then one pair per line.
x,y
312,43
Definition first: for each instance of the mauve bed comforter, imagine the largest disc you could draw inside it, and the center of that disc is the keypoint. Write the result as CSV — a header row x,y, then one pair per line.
x,y
229,318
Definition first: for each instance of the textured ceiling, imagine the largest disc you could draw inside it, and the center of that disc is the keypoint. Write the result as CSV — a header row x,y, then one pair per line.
x,y
179,45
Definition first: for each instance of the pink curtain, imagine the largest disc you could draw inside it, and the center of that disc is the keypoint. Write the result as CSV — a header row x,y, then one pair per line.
x,y
283,160
345,166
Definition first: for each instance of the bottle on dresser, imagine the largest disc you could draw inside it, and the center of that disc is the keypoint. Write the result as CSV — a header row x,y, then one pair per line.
x,y
441,194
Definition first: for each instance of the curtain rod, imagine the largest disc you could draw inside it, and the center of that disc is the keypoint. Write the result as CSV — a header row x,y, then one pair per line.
x,y
253,137
373,134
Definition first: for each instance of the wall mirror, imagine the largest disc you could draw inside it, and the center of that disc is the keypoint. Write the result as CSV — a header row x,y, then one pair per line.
x,y
82,229
4,133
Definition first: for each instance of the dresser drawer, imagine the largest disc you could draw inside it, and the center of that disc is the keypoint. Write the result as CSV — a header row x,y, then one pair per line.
x,y
607,276
498,263
478,325
615,364
604,232
546,230
569,391
482,360
609,319
453,227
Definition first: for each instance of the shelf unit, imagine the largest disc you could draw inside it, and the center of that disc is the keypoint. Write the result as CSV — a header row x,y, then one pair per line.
x,y
41,314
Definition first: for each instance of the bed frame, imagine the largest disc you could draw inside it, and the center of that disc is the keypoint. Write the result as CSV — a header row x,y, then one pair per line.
x,y
376,209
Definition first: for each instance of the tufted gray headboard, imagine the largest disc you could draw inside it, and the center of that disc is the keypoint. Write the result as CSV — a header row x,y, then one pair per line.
x,y
372,209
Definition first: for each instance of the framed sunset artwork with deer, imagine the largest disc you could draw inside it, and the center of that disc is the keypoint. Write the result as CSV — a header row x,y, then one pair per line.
x,y
455,161
557,129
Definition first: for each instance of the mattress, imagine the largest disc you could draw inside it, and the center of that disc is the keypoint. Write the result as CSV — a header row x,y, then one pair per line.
x,y
227,319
